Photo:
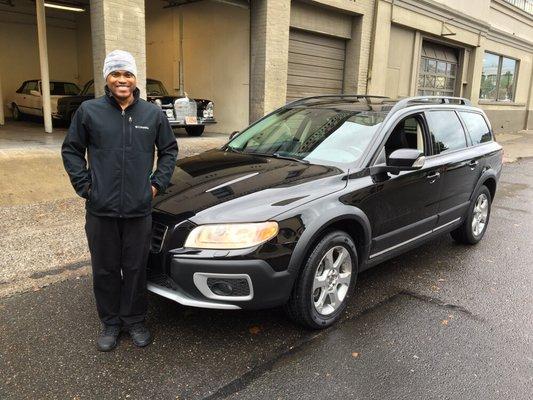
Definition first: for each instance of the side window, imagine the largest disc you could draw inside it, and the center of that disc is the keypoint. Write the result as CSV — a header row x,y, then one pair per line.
x,y
477,127
407,134
446,131
32,85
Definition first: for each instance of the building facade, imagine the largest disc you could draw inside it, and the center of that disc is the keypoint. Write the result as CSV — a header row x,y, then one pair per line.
x,y
252,56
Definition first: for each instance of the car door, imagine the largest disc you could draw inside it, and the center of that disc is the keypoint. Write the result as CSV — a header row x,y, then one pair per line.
x,y
403,207
31,102
37,101
22,99
461,164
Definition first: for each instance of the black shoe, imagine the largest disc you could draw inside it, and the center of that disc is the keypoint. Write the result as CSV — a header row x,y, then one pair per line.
x,y
107,340
140,335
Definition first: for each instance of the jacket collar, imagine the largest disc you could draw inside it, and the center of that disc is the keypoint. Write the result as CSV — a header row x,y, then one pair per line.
x,y
109,97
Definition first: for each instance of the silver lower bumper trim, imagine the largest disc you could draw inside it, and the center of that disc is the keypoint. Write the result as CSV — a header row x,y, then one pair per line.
x,y
185,300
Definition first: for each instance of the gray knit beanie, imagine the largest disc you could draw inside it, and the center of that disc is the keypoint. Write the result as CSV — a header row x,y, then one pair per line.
x,y
119,60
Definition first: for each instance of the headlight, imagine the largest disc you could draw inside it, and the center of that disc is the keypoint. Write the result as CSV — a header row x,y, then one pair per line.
x,y
231,236
210,108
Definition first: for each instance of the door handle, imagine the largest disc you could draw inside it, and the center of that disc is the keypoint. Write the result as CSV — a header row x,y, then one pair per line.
x,y
433,177
473,164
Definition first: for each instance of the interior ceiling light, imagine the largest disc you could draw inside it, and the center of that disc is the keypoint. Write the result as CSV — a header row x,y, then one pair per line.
x,y
64,6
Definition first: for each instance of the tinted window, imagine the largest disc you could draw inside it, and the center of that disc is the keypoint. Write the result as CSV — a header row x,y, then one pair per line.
x,y
155,88
446,131
407,134
63,89
477,127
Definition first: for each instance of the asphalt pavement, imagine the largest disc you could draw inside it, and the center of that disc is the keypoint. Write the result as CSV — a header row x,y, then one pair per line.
x,y
444,321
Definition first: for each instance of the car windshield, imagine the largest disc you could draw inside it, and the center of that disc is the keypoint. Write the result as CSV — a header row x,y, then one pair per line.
x,y
63,89
88,89
316,135
155,88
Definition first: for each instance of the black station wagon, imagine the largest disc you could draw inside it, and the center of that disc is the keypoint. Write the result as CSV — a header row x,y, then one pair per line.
x,y
292,208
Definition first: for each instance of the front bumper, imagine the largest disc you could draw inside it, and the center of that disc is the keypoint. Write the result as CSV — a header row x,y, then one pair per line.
x,y
200,121
185,283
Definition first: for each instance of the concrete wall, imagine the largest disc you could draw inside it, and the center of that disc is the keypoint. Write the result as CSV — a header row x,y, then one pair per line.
x,y
507,18
216,46
118,24
19,49
470,27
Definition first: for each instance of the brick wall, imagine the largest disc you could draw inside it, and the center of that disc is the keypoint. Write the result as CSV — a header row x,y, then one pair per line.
x,y
118,24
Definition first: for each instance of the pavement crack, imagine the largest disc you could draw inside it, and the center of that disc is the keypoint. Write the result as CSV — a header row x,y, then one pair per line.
x,y
440,303
257,371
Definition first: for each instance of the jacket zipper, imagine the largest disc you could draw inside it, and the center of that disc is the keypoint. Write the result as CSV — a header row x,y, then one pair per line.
x,y
130,142
123,158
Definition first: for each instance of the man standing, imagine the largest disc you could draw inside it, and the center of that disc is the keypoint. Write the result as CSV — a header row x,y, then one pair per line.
x,y
119,131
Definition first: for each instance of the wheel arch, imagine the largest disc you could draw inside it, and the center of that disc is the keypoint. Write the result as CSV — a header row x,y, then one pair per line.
x,y
489,179
349,219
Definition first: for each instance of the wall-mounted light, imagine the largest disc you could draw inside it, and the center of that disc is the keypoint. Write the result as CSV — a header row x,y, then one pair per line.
x,y
64,7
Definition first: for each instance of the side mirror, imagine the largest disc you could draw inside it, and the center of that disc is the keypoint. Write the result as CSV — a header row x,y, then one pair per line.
x,y
400,160
233,134
35,93
406,159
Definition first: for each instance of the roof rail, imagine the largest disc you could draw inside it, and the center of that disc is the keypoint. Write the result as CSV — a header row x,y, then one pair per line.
x,y
413,101
335,96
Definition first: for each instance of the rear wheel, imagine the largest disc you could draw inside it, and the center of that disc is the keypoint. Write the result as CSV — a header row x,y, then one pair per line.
x,y
320,294
17,115
474,226
194,130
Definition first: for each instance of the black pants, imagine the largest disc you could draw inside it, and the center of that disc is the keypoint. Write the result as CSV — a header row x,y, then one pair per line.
x,y
119,253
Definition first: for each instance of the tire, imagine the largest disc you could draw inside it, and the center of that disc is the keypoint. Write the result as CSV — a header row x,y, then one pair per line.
x,y
195,130
17,115
304,303
471,232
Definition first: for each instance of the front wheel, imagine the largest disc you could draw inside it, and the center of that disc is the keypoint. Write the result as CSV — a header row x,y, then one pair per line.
x,y
321,291
17,115
475,224
195,130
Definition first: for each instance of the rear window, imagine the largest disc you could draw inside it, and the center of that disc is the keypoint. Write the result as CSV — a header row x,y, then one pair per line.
x,y
477,127
446,130
63,89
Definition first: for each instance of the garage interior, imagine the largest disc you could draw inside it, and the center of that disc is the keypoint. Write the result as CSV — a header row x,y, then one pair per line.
x,y
216,43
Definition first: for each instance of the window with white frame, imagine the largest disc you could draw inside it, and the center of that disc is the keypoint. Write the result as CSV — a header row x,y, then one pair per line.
x,y
498,78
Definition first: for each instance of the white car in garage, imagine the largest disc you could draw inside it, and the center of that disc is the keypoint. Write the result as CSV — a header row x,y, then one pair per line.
x,y
28,99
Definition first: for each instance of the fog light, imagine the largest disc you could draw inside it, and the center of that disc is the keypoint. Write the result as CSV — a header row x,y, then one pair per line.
x,y
221,288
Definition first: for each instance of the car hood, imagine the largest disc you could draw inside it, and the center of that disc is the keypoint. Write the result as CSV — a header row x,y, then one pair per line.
x,y
224,186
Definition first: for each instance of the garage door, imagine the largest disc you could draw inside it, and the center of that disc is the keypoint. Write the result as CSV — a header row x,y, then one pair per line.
x,y
316,65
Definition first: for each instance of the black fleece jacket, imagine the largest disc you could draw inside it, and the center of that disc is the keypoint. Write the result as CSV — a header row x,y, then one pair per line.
x,y
120,148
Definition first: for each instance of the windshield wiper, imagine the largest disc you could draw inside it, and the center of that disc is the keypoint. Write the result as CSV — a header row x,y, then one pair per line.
x,y
301,160
271,155
277,155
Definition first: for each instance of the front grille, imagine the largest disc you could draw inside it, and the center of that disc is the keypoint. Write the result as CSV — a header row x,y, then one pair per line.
x,y
229,286
159,232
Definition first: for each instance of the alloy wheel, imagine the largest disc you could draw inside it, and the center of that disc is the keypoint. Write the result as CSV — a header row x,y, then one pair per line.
x,y
332,280
481,212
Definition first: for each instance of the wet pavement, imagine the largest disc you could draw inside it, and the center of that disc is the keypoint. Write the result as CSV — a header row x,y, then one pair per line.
x,y
443,321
